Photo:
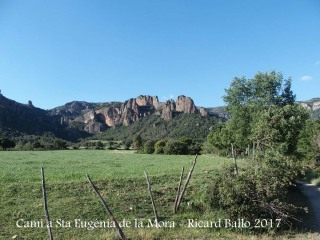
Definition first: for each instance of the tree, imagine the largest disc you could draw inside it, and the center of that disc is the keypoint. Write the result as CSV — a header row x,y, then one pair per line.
x,y
6,143
278,128
174,147
309,140
220,136
159,147
265,89
110,145
148,147
258,191
59,144
38,145
99,145
127,144
262,111
191,147
138,143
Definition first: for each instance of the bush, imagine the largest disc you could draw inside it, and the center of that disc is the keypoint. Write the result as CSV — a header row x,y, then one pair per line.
x,y
127,144
159,147
148,147
6,143
259,191
184,146
175,148
99,145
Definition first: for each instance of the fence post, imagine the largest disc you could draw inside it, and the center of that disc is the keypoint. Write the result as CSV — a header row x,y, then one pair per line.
x,y
152,201
46,205
117,227
178,192
187,181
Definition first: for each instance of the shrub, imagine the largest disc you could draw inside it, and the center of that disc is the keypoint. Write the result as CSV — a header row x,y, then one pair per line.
x,y
159,147
127,144
259,191
99,145
6,143
175,148
148,147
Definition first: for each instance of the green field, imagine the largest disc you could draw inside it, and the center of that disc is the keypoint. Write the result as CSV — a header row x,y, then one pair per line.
x,y
120,179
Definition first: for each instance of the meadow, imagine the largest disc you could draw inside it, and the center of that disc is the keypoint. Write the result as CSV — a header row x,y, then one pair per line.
x,y
119,175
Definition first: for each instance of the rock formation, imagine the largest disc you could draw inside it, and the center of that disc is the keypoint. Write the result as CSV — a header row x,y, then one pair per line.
x,y
96,118
185,104
316,105
203,112
30,105
312,104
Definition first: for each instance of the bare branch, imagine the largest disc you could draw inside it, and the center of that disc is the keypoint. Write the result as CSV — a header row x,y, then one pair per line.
x,y
46,205
187,181
108,211
178,192
152,201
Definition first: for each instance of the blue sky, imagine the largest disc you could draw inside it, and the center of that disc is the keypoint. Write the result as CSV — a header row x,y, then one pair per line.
x,y
53,52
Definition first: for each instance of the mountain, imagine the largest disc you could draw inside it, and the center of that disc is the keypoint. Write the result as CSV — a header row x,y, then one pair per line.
x,y
80,119
17,118
313,105
95,118
144,115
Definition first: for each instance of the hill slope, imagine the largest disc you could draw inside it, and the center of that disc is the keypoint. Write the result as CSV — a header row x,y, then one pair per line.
x,y
116,120
143,115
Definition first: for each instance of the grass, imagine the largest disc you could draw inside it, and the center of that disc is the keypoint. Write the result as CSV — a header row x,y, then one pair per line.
x,y
120,179
62,166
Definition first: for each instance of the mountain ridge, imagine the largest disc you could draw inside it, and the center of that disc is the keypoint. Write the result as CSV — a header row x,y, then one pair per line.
x,y
80,119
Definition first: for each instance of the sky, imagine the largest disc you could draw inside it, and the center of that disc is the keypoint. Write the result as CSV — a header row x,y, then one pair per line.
x,y
54,52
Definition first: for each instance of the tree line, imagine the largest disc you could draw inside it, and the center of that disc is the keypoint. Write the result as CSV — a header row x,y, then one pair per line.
x,y
277,136
182,146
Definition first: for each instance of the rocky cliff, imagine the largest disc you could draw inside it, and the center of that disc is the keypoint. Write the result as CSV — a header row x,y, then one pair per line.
x,y
96,118
312,104
90,117
79,119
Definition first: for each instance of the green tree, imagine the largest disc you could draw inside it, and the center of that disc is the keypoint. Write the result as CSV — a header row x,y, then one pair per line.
x,y
99,145
265,89
220,136
278,128
138,143
59,144
148,147
174,147
258,191
262,111
6,143
110,145
127,144
38,145
308,144
191,147
159,147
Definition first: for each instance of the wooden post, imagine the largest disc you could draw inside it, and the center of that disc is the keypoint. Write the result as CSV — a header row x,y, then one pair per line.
x,y
178,191
46,205
235,160
108,211
187,181
152,201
